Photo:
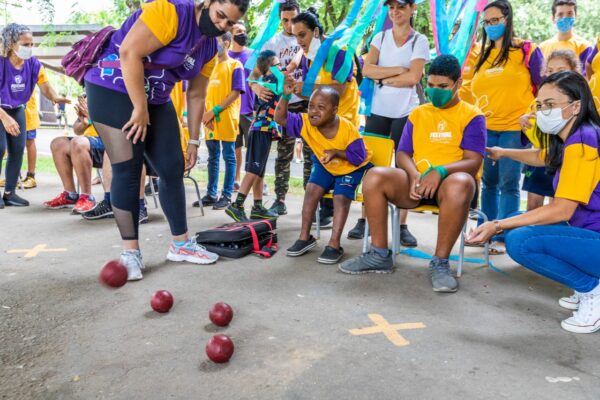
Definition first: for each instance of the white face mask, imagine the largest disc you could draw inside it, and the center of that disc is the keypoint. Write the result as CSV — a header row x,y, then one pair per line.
x,y
553,123
315,44
24,53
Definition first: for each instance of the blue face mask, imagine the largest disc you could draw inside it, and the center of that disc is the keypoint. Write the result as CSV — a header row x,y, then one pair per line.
x,y
565,24
495,32
220,50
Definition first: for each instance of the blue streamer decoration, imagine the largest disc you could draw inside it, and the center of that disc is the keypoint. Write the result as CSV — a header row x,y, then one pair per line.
x,y
415,253
268,30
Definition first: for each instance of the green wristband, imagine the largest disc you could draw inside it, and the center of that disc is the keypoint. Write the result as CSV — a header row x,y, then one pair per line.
x,y
442,171
287,97
217,110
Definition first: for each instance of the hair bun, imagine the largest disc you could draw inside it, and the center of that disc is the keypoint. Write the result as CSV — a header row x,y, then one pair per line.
x,y
313,11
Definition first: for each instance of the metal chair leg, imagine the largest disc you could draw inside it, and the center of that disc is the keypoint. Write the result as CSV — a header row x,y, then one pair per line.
x,y
484,218
366,237
154,194
318,220
461,254
188,176
395,233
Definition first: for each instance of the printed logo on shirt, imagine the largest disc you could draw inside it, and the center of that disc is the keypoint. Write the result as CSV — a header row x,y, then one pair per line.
x,y
443,135
483,103
495,71
18,86
215,82
189,63
348,180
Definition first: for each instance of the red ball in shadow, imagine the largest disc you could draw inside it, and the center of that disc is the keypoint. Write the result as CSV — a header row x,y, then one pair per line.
x,y
219,348
221,314
161,301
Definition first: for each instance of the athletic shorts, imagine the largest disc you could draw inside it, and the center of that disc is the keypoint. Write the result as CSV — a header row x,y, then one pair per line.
x,y
257,154
96,150
31,135
384,126
345,185
537,181
245,123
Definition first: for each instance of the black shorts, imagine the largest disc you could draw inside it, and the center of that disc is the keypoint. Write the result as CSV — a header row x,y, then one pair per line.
x,y
245,123
96,150
384,126
537,181
257,154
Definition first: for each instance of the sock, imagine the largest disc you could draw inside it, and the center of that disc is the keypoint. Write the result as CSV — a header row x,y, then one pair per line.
x,y
73,196
142,204
107,197
89,196
403,227
239,200
440,260
31,174
385,253
258,203
180,244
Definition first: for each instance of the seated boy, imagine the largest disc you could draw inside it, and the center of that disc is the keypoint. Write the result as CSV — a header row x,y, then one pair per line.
x,y
447,139
263,131
340,160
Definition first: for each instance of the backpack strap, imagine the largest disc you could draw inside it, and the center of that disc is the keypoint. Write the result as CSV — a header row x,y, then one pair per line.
x,y
267,250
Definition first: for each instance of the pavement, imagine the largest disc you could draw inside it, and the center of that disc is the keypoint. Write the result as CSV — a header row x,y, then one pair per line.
x,y
301,330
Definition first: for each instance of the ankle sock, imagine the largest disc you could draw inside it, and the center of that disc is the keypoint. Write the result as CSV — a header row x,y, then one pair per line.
x,y
179,244
73,196
382,252
31,174
142,204
107,197
239,200
258,203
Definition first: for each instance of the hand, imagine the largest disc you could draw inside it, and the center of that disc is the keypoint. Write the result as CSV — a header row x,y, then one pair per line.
x,y
298,86
288,87
191,155
137,126
208,117
83,105
415,183
494,153
262,92
11,126
328,156
525,121
482,234
82,115
429,184
61,100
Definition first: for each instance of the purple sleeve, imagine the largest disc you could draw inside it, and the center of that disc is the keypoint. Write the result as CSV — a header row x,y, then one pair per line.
x,y
339,63
304,67
475,136
406,140
237,81
536,62
294,125
592,55
356,152
185,85
583,57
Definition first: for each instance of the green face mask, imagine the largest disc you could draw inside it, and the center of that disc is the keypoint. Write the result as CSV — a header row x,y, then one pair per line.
x,y
439,97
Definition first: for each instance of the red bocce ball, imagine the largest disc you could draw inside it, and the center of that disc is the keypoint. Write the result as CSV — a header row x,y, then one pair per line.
x,y
221,314
161,301
219,348
113,274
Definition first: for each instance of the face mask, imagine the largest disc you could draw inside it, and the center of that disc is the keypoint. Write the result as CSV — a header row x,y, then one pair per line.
x,y
565,24
220,50
24,53
206,25
439,97
315,44
495,32
553,123
241,39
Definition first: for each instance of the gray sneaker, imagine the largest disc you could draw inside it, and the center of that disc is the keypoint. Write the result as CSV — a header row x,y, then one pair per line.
x,y
368,262
132,260
441,276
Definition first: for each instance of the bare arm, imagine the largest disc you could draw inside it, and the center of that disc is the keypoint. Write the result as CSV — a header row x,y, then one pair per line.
x,y
471,163
409,78
196,100
526,156
50,93
406,162
373,71
79,127
209,115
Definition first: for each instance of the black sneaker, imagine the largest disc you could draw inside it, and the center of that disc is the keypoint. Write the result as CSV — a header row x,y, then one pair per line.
x,y
237,213
406,238
325,221
222,203
301,247
102,210
148,189
368,262
358,232
278,207
143,216
206,201
14,200
331,255
262,213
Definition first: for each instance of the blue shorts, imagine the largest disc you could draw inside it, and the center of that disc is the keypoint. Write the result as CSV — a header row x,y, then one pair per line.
x,y
345,185
537,181
95,143
31,135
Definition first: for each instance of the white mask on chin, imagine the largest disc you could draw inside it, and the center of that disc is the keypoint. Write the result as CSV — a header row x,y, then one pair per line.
x,y
315,44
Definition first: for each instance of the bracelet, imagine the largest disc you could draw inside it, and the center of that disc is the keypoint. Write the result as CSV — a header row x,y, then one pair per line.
x,y
287,97
442,171
195,142
217,110
499,229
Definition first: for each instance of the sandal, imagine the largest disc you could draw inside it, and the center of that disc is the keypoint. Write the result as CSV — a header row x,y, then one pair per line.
x,y
497,248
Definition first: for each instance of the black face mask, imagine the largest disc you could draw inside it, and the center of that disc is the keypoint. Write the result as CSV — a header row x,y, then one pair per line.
x,y
206,25
241,39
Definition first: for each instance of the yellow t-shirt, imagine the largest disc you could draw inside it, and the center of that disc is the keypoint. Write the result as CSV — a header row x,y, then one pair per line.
x,y
465,92
42,77
90,131
348,138
576,44
32,117
226,77
178,99
503,93
349,100
435,136
595,79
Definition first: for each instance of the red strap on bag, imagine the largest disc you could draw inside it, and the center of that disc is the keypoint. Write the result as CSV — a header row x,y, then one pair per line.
x,y
269,249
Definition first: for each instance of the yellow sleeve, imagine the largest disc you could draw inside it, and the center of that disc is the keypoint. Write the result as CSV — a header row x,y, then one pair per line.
x,y
42,77
161,18
465,92
579,173
208,68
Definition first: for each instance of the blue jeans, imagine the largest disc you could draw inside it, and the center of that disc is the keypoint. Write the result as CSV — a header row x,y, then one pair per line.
x,y
500,194
560,252
214,154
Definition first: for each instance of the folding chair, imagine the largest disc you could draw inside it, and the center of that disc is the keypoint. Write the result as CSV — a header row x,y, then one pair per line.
x,y
195,182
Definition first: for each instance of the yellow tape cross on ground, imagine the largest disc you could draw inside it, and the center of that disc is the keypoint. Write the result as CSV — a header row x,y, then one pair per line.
x,y
390,331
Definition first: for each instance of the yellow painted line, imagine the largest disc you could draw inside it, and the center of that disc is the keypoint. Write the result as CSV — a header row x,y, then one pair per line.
x,y
390,331
30,253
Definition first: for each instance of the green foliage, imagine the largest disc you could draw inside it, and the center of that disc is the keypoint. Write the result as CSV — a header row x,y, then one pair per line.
x,y
115,16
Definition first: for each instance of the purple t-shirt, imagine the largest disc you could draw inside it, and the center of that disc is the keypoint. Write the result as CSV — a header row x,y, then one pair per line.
x,y
17,85
593,54
176,54
248,96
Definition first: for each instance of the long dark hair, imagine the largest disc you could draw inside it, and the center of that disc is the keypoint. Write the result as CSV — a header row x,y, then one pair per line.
x,y
573,85
310,18
507,42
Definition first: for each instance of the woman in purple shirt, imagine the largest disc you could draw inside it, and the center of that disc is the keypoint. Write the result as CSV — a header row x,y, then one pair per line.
x,y
128,95
20,72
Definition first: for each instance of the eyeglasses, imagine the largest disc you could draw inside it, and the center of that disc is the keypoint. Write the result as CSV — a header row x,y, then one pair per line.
x,y
492,21
546,108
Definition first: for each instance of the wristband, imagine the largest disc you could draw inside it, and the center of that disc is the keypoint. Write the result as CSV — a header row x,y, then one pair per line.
x,y
194,142
217,110
287,97
442,171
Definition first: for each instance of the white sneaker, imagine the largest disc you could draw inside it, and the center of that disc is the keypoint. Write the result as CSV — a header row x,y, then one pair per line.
x,y
191,252
587,318
132,260
570,303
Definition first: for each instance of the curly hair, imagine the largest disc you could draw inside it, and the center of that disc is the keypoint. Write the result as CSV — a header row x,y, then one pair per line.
x,y
10,35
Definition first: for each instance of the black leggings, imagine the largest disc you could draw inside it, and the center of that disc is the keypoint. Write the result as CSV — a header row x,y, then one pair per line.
x,y
110,111
390,127
15,145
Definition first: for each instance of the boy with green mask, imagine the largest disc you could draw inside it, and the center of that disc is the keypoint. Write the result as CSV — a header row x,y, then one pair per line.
x,y
439,160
